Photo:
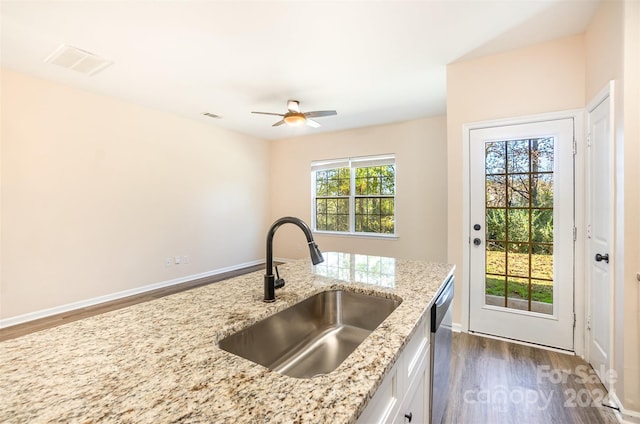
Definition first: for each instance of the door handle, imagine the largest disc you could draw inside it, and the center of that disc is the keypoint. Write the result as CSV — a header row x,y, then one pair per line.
x,y
477,241
600,258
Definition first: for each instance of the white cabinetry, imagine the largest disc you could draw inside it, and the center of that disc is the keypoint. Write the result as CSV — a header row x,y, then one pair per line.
x,y
404,392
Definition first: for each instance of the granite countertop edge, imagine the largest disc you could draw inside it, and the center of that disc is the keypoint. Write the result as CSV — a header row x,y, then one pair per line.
x,y
159,360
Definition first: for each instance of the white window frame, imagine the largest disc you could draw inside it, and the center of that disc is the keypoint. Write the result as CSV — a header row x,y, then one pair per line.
x,y
352,164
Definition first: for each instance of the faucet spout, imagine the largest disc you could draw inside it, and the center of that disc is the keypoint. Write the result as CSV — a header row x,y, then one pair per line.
x,y
314,252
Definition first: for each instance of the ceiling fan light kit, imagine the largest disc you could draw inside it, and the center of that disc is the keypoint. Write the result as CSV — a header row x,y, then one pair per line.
x,y
294,117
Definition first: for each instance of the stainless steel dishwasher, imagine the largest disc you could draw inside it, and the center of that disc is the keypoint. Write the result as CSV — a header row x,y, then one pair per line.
x,y
441,320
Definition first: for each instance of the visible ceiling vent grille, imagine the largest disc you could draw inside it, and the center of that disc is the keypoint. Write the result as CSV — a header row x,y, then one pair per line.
x,y
211,115
79,60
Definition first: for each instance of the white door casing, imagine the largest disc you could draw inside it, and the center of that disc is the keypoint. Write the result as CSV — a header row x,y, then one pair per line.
x,y
599,233
553,328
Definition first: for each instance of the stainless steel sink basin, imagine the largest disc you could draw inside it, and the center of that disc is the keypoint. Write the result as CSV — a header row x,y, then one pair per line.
x,y
311,337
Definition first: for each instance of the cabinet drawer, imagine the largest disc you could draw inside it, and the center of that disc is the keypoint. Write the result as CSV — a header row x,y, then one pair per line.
x,y
415,353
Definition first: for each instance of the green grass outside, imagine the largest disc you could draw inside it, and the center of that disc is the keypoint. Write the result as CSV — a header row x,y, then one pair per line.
x,y
541,291
517,290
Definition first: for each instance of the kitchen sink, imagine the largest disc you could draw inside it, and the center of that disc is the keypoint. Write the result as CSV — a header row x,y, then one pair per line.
x,y
314,336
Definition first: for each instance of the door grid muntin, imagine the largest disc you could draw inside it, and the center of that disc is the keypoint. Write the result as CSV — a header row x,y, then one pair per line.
x,y
515,172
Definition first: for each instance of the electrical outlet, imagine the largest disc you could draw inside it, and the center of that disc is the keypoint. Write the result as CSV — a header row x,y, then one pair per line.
x,y
167,262
185,259
177,260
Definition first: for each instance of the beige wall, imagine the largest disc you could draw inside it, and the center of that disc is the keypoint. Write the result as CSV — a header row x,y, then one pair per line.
x,y
420,149
631,368
544,78
96,193
613,53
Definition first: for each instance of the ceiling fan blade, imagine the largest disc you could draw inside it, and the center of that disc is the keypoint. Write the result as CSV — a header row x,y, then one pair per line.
x,y
277,124
320,113
269,113
293,106
312,123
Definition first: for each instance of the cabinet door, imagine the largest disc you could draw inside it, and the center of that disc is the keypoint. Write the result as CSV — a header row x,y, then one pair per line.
x,y
416,410
384,405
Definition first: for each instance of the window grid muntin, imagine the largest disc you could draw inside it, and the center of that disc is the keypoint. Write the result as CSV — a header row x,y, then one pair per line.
x,y
354,165
530,243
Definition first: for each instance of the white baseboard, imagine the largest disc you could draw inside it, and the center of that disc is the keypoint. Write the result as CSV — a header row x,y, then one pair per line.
x,y
624,416
8,322
456,327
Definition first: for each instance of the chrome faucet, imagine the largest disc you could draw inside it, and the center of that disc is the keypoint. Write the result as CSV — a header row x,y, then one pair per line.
x,y
270,282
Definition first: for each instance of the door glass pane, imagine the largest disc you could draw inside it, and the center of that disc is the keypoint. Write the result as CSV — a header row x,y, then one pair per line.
x,y
519,224
519,190
496,191
542,190
495,159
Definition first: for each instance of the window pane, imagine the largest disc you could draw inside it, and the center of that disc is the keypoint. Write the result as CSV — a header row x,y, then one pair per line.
x,y
542,190
362,226
321,206
542,291
496,191
518,225
518,259
495,157
496,224
387,225
343,223
494,289
375,180
332,206
542,261
518,293
343,206
542,225
321,183
361,185
321,221
519,191
496,258
518,156
373,210
388,185
374,206
332,222
542,155
386,207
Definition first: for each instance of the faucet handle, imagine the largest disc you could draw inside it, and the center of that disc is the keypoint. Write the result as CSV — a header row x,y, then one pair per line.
x,y
279,281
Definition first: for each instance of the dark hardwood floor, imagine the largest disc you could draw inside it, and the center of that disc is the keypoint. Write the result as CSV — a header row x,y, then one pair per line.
x,y
496,382
66,317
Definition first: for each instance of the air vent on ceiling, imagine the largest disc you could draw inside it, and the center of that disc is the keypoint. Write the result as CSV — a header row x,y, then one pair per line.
x,y
211,115
78,60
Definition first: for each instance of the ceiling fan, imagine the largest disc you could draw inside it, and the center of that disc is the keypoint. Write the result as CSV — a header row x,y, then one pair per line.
x,y
295,117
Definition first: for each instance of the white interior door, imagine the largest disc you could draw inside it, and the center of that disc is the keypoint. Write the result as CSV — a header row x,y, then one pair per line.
x,y
598,232
522,232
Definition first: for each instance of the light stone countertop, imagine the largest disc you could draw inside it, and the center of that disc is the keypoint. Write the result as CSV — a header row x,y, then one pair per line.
x,y
158,361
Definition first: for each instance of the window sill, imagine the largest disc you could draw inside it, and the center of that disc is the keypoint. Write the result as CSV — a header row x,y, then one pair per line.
x,y
357,235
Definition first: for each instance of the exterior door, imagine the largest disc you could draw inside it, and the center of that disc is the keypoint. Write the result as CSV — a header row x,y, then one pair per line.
x,y
522,232
599,264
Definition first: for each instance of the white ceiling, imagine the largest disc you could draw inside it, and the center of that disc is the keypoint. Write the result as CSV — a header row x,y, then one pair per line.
x,y
374,62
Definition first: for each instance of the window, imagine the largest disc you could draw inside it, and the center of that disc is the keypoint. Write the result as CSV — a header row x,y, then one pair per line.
x,y
355,195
